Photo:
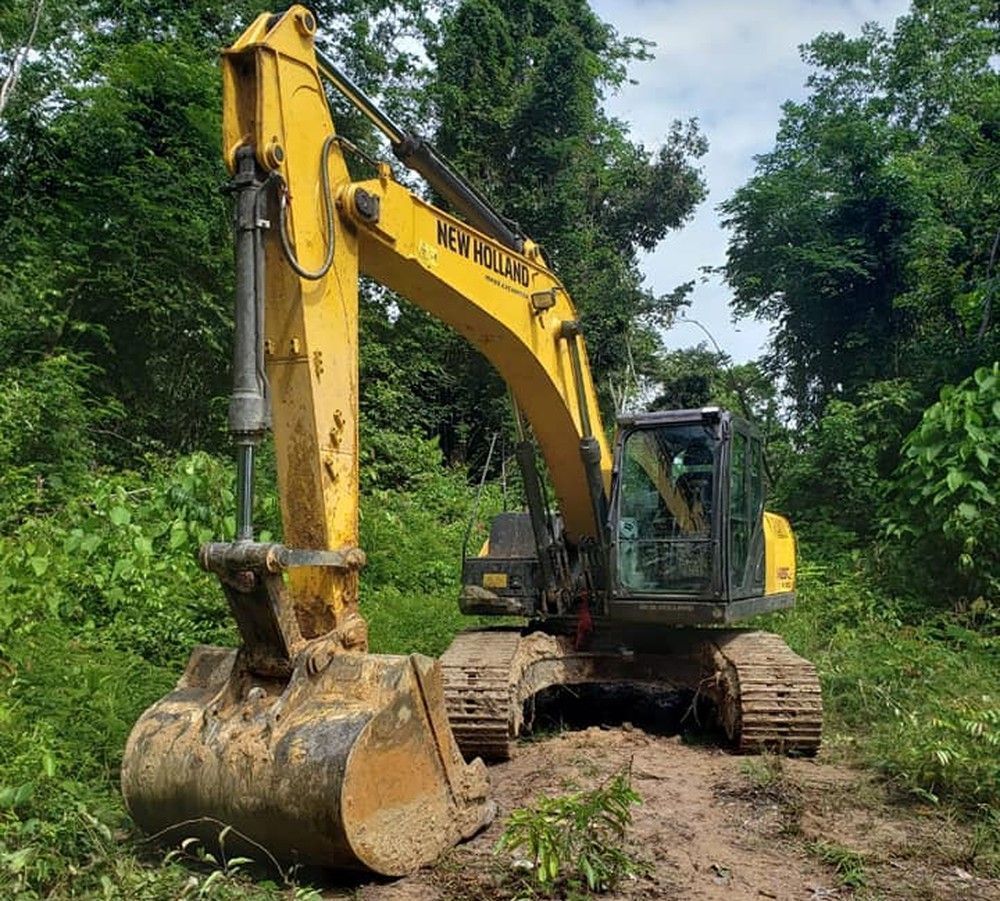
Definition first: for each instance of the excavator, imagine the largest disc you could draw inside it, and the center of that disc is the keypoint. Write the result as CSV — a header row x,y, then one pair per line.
x,y
302,745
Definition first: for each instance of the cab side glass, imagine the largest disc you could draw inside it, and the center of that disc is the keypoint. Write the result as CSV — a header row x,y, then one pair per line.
x,y
739,512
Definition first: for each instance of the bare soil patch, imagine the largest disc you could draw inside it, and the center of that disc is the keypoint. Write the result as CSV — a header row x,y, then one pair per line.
x,y
714,825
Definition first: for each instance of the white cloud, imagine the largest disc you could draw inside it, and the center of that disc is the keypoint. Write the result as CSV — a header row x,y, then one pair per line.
x,y
731,64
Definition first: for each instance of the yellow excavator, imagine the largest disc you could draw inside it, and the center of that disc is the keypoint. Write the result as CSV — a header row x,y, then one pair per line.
x,y
301,742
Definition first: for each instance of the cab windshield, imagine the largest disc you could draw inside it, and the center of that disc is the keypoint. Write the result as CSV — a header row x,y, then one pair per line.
x,y
665,509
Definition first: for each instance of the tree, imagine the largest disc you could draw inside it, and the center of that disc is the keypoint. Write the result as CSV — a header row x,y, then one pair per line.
x,y
17,52
115,235
867,235
517,92
943,505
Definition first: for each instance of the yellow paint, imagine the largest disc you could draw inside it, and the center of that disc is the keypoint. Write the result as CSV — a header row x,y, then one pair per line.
x,y
273,99
779,555
483,291
273,96
494,580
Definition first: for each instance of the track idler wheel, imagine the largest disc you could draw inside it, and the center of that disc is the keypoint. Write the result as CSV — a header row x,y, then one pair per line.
x,y
347,764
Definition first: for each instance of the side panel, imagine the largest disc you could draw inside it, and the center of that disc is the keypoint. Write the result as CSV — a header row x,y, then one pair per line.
x,y
779,555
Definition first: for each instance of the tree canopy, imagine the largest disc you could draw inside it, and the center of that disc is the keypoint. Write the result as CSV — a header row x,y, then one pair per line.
x,y
868,235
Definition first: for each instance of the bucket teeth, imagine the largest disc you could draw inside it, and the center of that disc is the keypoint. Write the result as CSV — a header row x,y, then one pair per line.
x,y
347,764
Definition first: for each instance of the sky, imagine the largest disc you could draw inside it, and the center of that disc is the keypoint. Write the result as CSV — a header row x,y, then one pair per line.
x,y
731,64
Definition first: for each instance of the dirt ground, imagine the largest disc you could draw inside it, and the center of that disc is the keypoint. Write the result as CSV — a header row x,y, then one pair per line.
x,y
714,825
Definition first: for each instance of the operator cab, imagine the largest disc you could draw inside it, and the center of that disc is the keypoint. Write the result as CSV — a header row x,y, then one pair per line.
x,y
687,538
687,521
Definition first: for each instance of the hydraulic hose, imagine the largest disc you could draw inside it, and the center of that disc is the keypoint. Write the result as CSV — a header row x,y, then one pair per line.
x,y
286,244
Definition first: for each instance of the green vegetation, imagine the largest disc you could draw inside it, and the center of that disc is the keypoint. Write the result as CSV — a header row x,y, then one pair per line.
x,y
913,694
849,865
868,235
103,601
574,843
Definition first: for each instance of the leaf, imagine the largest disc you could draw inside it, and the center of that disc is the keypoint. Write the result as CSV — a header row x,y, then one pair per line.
x,y
985,379
967,511
120,516
23,793
39,565
956,479
929,453
981,489
16,861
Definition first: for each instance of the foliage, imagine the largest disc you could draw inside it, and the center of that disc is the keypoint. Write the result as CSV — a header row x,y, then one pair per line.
x,y
867,235
913,693
103,603
128,536
518,91
414,537
47,426
98,259
575,843
946,509
838,473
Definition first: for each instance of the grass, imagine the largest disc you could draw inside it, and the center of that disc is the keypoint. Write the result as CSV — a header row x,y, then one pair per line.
x,y
849,865
913,696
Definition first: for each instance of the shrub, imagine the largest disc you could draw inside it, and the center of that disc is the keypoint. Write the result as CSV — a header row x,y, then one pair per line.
x,y
946,511
576,842
915,693
46,440
838,477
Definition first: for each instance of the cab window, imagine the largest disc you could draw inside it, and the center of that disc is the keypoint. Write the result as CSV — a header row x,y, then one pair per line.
x,y
665,509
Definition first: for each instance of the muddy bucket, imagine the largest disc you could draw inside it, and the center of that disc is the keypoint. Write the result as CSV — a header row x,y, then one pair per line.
x,y
347,764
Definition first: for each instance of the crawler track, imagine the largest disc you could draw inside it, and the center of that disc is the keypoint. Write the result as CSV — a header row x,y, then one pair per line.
x,y
768,697
479,692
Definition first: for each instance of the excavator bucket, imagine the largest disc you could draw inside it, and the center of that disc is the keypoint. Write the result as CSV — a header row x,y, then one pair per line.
x,y
326,756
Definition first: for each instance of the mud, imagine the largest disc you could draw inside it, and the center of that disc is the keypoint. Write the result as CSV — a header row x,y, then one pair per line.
x,y
716,825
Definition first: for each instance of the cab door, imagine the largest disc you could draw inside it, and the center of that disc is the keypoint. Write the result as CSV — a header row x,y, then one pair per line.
x,y
745,513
